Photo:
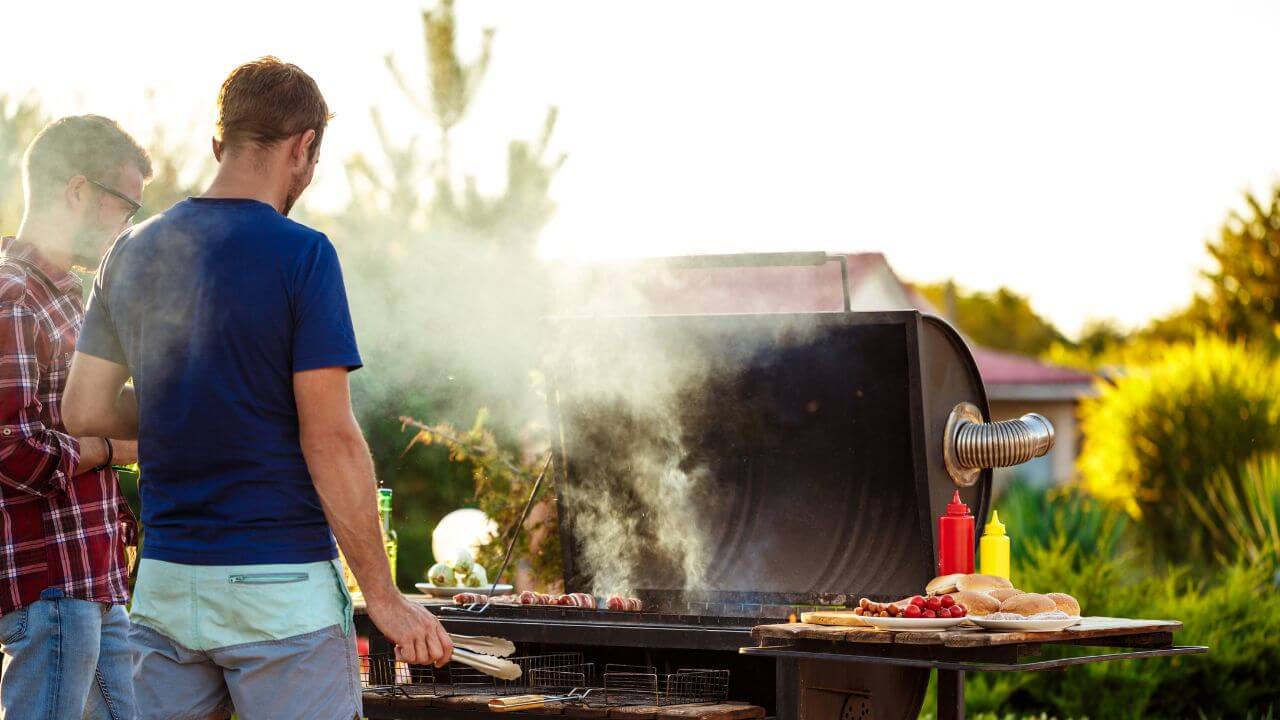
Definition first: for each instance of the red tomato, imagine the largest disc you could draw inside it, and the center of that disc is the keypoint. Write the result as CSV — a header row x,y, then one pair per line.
x,y
917,601
930,614
948,601
913,611
956,611
933,603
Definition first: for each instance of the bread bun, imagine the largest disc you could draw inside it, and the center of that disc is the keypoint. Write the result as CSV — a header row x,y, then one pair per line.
x,y
1003,594
981,583
1028,604
976,603
943,584
1065,603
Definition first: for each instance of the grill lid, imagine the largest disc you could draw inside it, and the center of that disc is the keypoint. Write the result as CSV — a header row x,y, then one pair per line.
x,y
778,457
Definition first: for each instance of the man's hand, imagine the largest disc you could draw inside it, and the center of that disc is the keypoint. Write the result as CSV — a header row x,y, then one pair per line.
x,y
93,452
419,637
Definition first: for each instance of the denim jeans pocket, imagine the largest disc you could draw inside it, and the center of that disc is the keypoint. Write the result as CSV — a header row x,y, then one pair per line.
x,y
13,626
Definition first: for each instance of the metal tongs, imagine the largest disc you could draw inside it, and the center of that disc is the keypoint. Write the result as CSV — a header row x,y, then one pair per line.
x,y
476,608
483,653
528,702
488,664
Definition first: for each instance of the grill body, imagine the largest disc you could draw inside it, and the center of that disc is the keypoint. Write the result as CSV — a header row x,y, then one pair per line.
x,y
732,470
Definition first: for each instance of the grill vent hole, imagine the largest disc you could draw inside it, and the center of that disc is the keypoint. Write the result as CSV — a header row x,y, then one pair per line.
x,y
857,707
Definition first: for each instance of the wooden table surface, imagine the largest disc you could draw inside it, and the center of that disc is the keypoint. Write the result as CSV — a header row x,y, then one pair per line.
x,y
1089,627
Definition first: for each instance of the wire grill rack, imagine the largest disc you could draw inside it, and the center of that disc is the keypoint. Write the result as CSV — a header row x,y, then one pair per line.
x,y
553,674
632,685
387,675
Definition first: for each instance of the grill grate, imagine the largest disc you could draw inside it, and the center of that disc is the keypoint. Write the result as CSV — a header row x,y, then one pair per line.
x,y
631,685
553,674
386,675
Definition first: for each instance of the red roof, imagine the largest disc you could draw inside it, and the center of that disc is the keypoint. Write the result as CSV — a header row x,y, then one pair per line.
x,y
1006,368
657,290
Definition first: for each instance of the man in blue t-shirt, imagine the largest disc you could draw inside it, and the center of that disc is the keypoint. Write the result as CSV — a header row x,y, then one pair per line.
x,y
232,321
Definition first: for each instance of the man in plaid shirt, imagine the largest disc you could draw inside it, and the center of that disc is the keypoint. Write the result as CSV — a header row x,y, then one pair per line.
x,y
63,522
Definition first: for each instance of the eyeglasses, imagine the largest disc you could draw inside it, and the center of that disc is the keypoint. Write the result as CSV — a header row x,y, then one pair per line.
x,y
134,205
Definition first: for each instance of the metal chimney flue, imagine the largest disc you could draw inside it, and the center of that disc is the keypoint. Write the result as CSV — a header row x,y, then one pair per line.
x,y
970,444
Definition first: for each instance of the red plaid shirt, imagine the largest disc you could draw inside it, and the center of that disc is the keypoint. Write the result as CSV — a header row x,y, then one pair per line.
x,y
56,530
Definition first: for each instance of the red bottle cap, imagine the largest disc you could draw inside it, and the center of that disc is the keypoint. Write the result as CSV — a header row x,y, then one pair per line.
x,y
957,506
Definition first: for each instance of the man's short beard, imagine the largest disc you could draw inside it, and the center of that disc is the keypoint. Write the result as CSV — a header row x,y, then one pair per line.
x,y
88,245
295,191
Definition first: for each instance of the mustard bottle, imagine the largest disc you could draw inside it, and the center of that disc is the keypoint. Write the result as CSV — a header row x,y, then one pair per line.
x,y
993,548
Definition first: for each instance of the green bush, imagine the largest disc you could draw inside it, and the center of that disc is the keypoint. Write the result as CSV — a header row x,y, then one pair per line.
x,y
1234,611
1167,429
1034,516
1240,511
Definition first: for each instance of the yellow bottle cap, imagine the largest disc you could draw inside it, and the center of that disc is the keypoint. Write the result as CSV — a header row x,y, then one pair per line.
x,y
995,527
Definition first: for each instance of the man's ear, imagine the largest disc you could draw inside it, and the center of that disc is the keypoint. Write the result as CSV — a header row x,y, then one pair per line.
x,y
75,194
217,149
301,155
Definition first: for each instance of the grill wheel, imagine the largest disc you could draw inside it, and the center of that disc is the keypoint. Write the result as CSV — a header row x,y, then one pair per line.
x,y
857,707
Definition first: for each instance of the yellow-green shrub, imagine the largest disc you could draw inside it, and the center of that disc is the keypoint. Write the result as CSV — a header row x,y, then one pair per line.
x,y
1234,610
1165,430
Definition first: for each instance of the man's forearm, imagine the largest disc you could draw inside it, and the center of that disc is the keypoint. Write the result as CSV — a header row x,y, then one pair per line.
x,y
122,421
342,472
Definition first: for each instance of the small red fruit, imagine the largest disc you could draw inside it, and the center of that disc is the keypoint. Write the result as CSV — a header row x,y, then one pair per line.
x,y
963,610
930,614
948,601
956,611
913,611
933,603
917,601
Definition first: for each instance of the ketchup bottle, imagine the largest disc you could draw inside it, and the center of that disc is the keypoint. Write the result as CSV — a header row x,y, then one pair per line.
x,y
955,539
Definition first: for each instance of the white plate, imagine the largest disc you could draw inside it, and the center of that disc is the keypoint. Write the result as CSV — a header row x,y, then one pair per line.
x,y
906,623
433,591
1027,625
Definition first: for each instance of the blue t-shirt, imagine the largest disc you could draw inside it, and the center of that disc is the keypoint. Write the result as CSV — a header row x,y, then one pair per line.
x,y
213,305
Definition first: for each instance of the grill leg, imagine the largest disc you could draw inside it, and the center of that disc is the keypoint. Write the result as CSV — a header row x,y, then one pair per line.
x,y
787,685
950,694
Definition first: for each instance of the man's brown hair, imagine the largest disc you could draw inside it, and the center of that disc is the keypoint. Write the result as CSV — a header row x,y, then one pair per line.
x,y
88,145
265,101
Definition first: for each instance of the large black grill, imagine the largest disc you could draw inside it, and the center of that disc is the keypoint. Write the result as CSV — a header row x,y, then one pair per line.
x,y
803,455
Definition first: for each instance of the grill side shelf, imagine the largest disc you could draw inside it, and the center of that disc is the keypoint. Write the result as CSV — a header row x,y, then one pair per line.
x,y
1089,627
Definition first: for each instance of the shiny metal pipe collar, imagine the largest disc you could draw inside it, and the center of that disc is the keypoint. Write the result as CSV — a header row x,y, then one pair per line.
x,y
971,445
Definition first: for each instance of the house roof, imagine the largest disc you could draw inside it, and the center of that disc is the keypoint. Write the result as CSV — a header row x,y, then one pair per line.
x,y
651,288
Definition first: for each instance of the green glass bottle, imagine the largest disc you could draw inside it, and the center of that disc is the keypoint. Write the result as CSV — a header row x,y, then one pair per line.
x,y
389,540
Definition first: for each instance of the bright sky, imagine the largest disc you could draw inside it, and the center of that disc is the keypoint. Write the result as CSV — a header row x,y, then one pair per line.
x,y
1078,152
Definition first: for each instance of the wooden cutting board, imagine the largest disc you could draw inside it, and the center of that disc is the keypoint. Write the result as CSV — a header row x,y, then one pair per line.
x,y
833,617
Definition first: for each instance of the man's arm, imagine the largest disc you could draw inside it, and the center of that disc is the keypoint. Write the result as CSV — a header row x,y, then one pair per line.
x,y
97,400
342,471
33,458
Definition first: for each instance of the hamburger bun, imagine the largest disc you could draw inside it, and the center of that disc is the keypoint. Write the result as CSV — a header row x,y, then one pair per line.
x,y
1003,594
1028,604
976,603
1065,603
943,584
981,583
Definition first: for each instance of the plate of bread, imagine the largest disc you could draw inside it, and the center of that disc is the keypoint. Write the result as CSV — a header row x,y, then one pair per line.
x,y
993,603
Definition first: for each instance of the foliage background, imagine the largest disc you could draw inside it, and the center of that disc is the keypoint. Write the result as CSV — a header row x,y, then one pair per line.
x,y
1176,514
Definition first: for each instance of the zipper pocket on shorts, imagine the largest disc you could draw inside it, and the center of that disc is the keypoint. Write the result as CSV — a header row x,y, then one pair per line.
x,y
268,578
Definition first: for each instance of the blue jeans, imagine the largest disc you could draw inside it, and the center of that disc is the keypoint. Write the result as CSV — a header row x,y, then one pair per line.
x,y
64,659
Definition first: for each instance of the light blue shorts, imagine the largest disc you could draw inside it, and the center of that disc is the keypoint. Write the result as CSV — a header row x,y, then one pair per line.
x,y
264,641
